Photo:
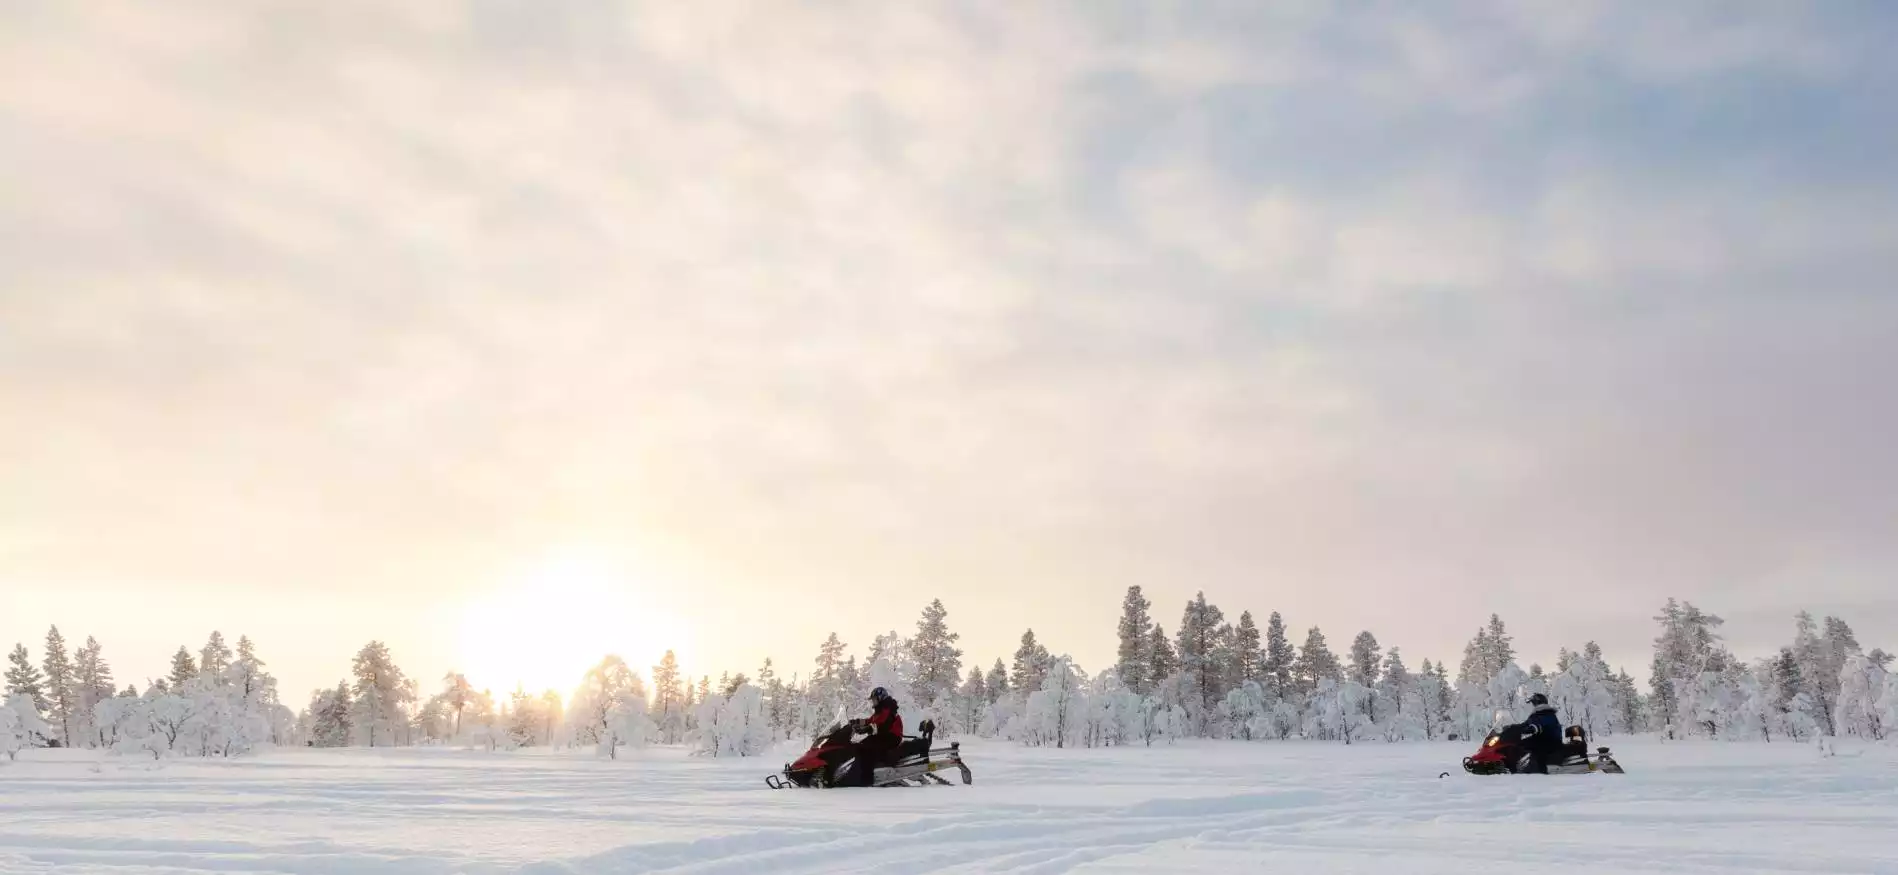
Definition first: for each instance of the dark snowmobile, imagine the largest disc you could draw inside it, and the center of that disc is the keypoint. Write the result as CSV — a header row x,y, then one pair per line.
x,y
829,762
1505,752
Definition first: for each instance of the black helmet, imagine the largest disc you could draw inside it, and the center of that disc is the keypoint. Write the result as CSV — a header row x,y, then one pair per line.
x,y
879,694
1538,700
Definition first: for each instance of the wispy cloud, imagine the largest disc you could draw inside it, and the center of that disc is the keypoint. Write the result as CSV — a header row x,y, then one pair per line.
x,y
1458,304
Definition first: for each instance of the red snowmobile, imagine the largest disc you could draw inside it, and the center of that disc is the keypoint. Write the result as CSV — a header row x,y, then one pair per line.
x,y
1505,752
829,762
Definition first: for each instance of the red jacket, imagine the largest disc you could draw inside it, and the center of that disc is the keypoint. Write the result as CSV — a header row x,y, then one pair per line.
x,y
887,721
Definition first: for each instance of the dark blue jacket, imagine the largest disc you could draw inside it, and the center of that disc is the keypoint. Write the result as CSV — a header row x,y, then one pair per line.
x,y
1548,728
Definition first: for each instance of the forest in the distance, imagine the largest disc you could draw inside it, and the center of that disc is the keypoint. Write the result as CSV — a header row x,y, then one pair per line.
x,y
1210,678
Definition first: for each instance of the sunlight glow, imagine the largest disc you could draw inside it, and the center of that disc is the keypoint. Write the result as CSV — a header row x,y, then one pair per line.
x,y
545,626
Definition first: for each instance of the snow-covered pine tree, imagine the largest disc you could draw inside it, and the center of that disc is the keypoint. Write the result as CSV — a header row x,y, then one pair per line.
x,y
1433,698
668,703
215,657
1500,649
1247,652
1687,647
1198,644
937,659
1136,627
1224,661
92,684
1278,659
1030,665
1817,675
997,681
831,686
773,691
24,679
456,695
1162,662
61,696
972,701
1880,658
381,693
1362,669
330,717
1402,710
1315,662
1628,705
1473,670
183,668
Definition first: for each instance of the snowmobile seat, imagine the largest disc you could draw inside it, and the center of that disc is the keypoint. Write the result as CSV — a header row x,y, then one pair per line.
x,y
917,745
1575,743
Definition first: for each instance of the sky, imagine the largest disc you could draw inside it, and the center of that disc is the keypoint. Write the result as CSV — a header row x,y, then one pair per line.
x,y
493,328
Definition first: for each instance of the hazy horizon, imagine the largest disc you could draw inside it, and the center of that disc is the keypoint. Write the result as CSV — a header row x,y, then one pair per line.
x,y
734,326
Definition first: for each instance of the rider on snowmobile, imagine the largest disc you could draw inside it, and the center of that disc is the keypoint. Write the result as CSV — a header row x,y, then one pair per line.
x,y
1544,743
886,732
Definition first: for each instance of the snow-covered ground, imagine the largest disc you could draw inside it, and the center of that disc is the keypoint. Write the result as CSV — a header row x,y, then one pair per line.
x,y
1213,807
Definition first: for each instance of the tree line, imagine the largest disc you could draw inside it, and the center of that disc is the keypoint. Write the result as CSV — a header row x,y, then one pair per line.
x,y
1209,678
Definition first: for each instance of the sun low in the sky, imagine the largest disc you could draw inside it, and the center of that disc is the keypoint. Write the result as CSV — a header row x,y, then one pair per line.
x,y
542,627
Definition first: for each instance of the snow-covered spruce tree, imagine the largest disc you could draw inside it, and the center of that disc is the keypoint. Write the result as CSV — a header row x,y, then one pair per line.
x,y
382,695
1162,662
215,657
997,681
1792,705
1030,665
1197,644
971,702
24,678
62,699
1315,663
832,684
1499,648
777,705
1278,659
1403,709
1362,669
1135,629
183,668
92,684
937,659
328,717
1860,713
1248,653
1433,698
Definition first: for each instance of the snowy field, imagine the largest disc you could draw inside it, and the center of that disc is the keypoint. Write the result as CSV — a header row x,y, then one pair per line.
x,y
1211,807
